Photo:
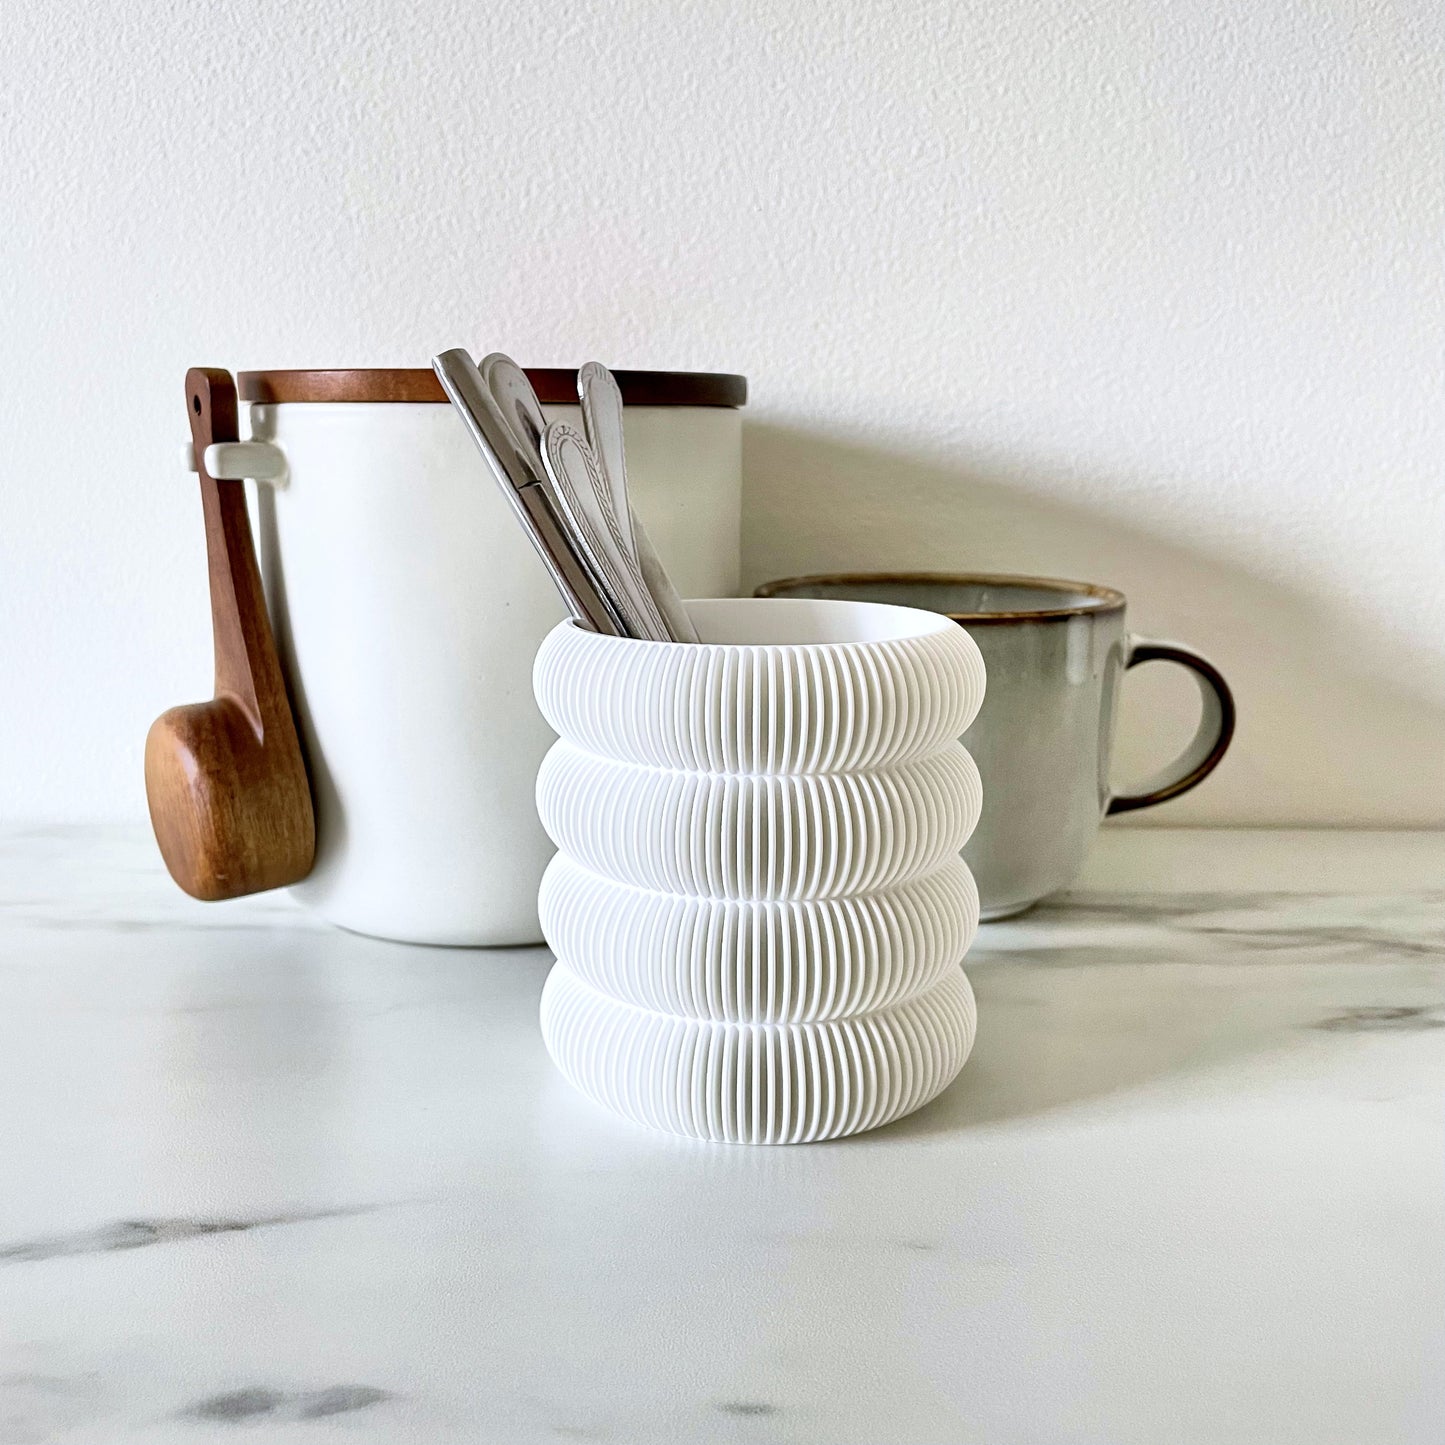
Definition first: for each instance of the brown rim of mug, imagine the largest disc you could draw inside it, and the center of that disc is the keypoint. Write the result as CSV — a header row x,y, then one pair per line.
x,y
1109,600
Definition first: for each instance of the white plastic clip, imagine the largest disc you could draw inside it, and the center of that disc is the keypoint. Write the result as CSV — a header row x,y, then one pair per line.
x,y
236,461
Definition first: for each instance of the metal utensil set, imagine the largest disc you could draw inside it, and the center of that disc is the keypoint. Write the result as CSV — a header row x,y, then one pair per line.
x,y
570,493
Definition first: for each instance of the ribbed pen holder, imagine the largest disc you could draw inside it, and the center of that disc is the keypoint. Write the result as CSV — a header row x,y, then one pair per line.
x,y
757,906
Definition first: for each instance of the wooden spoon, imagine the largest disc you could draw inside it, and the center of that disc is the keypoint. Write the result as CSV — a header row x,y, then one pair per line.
x,y
225,779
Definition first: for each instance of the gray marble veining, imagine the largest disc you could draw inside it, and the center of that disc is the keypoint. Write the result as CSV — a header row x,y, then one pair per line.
x,y
266,1180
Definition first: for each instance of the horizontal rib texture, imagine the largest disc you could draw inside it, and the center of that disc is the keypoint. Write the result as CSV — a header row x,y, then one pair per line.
x,y
802,708
759,835
759,1083
759,962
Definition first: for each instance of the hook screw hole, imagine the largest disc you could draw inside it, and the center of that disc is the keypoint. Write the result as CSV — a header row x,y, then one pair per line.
x,y
196,405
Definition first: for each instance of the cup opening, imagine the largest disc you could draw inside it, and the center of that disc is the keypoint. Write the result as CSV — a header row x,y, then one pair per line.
x,y
801,622
970,598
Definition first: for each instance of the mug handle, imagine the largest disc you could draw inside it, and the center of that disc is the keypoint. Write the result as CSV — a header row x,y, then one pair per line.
x,y
1211,740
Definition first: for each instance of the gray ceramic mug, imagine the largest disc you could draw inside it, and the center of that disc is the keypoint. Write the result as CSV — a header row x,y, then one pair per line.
x,y
1056,652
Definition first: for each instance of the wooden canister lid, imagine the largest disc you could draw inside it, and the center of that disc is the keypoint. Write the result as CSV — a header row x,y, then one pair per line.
x,y
556,385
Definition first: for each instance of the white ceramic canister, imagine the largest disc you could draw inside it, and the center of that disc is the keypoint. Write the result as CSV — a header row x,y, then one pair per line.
x,y
408,605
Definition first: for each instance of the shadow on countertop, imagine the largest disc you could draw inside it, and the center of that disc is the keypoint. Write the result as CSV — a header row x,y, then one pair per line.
x,y
1098,994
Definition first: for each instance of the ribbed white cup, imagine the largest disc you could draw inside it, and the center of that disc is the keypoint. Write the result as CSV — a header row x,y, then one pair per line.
x,y
758,907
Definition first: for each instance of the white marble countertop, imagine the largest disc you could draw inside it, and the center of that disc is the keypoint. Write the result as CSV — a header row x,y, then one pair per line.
x,y
264,1180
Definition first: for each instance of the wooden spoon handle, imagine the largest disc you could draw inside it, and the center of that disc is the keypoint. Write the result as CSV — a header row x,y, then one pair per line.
x,y
247,666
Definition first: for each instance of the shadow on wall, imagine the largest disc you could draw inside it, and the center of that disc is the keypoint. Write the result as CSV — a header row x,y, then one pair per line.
x,y
1325,737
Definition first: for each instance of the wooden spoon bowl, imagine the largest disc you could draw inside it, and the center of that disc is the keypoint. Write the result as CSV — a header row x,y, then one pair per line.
x,y
226,779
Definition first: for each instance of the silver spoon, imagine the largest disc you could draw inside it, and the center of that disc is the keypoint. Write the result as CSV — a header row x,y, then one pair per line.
x,y
526,489
518,403
578,483
575,482
601,400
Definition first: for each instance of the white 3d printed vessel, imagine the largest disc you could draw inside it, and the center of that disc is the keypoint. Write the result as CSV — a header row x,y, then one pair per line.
x,y
758,908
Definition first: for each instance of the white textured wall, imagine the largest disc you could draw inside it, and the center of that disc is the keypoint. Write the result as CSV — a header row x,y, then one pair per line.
x,y
1145,293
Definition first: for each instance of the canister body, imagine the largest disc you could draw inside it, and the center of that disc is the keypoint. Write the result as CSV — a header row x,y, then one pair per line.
x,y
408,605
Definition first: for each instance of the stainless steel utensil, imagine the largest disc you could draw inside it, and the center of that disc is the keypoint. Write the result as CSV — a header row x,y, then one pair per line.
x,y
526,488
518,403
578,489
601,401
581,489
